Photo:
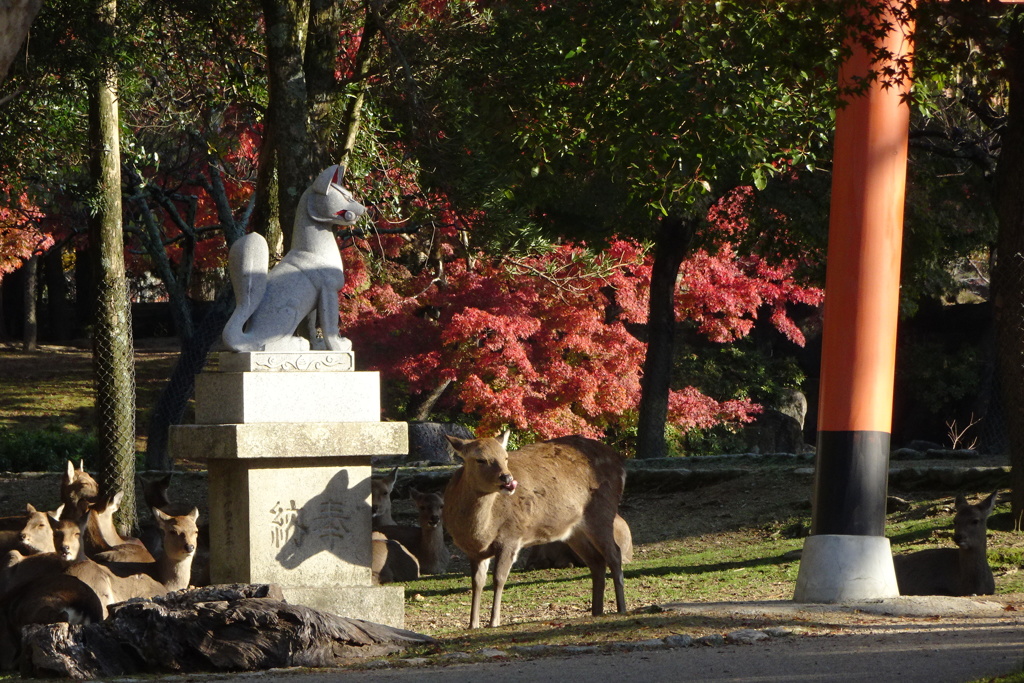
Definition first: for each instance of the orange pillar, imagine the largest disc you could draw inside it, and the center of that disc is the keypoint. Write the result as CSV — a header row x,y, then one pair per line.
x,y
861,310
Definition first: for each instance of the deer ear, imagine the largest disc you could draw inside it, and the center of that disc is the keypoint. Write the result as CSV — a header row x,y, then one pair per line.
x,y
989,504
457,444
55,514
71,471
503,438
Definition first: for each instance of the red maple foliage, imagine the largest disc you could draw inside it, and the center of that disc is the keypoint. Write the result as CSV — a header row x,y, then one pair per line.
x,y
24,232
541,343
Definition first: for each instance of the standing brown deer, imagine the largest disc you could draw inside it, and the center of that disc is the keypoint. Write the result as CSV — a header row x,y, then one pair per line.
x,y
963,570
564,489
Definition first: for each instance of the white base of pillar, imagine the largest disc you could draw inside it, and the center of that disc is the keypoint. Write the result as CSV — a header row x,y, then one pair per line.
x,y
837,568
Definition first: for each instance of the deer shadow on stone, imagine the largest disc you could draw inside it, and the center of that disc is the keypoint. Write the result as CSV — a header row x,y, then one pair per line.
x,y
337,521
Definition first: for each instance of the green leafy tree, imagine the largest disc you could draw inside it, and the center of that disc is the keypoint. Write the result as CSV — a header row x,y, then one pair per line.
x,y
596,118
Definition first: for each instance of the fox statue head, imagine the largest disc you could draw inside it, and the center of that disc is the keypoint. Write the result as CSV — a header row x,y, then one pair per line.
x,y
330,202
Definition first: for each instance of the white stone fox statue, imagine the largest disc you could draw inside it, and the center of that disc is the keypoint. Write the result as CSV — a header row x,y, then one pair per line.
x,y
269,306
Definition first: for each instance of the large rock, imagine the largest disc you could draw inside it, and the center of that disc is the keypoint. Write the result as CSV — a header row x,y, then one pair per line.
x,y
427,441
775,432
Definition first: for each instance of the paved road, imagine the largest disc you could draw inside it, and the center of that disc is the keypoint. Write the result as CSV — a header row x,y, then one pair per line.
x,y
955,646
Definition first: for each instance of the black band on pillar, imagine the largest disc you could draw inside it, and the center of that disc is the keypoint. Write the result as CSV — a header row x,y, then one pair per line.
x,y
851,477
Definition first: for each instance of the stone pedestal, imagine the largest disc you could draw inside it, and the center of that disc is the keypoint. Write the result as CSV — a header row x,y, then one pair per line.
x,y
839,568
288,440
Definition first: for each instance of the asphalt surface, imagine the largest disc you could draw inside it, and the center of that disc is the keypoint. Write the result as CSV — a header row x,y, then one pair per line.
x,y
931,640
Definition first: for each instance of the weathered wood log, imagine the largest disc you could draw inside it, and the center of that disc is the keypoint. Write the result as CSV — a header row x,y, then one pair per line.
x,y
216,628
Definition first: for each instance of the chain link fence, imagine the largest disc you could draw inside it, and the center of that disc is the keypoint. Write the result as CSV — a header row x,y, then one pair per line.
x,y
114,368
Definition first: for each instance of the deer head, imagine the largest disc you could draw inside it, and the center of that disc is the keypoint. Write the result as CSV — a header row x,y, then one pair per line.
x,y
485,463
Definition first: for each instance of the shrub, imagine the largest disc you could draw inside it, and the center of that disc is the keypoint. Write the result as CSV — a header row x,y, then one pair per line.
x,y
43,450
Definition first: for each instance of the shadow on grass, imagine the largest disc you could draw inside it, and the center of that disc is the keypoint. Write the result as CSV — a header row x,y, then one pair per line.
x,y
526,579
631,627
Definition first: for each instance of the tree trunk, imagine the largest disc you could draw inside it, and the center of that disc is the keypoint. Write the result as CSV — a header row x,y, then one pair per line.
x,y
113,350
266,215
326,100
85,289
58,313
287,22
30,331
354,110
15,19
3,314
1008,275
675,235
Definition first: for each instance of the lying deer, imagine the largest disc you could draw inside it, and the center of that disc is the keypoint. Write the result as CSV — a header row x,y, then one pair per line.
x,y
172,566
391,561
119,581
963,570
52,599
425,541
155,494
101,534
21,568
564,489
380,498
77,489
34,536
559,555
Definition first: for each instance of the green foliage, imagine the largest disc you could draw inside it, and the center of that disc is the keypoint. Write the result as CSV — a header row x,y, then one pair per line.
x,y
1006,559
43,450
586,118
744,369
717,440
940,376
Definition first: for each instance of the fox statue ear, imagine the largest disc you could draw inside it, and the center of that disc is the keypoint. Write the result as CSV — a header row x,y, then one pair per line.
x,y
330,176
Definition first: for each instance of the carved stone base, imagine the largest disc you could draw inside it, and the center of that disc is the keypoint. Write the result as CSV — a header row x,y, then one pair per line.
x,y
298,397
308,361
288,453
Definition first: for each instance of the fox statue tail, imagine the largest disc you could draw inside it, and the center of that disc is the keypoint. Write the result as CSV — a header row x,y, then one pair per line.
x,y
247,261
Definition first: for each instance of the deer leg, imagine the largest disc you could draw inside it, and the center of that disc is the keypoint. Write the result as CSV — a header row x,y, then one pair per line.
x,y
619,582
612,555
479,579
591,555
502,566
